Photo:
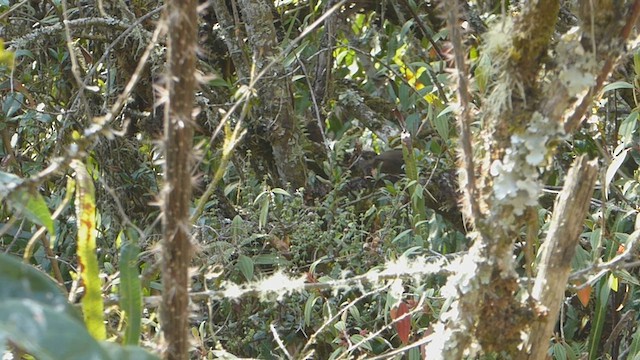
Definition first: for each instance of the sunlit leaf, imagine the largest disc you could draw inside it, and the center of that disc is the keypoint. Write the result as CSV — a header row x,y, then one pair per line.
x,y
92,305
280,191
628,127
130,291
245,265
33,206
617,161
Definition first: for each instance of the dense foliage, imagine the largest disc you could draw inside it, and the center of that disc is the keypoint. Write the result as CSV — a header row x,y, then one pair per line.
x,y
326,150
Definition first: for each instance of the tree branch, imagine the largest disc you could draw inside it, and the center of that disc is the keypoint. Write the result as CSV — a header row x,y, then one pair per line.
x,y
557,252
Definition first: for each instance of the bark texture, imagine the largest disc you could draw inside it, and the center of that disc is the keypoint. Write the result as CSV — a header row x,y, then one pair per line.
x,y
557,252
523,115
176,250
276,115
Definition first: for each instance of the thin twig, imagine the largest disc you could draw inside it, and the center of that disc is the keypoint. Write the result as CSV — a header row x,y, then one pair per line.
x,y
276,337
464,119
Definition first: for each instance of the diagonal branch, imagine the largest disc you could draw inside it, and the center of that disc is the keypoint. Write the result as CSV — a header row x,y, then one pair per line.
x,y
557,252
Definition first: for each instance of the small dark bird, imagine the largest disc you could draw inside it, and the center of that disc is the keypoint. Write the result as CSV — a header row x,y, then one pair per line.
x,y
389,162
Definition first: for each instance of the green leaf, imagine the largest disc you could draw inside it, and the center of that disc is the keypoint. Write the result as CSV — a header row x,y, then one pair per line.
x,y
264,212
559,351
483,73
617,85
245,265
308,308
33,206
597,324
626,277
12,103
46,333
237,226
442,126
401,235
628,127
353,311
21,281
281,192
617,161
6,57
268,259
130,291
219,82
92,305
356,338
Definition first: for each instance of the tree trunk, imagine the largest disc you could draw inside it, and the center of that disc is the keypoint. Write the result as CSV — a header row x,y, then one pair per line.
x,y
176,250
501,180
276,114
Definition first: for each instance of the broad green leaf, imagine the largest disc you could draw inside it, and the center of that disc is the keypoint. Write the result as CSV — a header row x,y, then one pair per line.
x,y
281,192
46,333
445,111
336,353
12,103
308,308
617,85
21,281
401,235
442,126
628,127
617,161
625,276
130,291
92,305
33,206
353,311
237,225
559,351
357,338
245,265
597,324
6,57
268,259
414,354
264,212
482,73
219,82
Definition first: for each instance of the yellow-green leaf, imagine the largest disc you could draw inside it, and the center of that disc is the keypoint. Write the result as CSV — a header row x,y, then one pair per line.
x,y
130,290
92,305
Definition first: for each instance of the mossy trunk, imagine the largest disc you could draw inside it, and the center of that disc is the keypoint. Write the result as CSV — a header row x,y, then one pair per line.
x,y
523,115
274,115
